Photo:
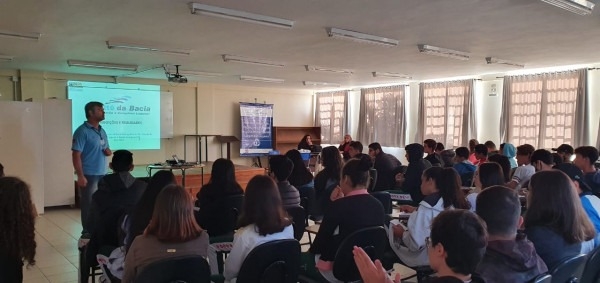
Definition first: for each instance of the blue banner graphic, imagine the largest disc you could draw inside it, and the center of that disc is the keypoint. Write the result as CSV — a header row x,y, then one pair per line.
x,y
257,126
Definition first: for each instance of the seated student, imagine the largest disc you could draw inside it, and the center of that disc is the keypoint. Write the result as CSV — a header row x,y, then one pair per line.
x,y
590,202
410,181
306,143
281,167
262,220
385,167
463,166
356,148
557,158
353,209
481,154
439,147
17,236
555,220
142,212
491,147
509,150
542,160
565,151
487,175
172,233
525,170
447,156
1,170
301,178
344,147
504,164
327,179
212,198
117,195
509,257
429,148
442,191
472,144
585,157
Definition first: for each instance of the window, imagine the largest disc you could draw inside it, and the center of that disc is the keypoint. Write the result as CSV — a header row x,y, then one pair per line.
x,y
331,116
382,116
542,108
447,112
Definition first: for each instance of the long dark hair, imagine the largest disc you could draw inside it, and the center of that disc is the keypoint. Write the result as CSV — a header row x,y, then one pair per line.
x,y
300,174
222,175
173,217
303,144
17,219
332,161
448,183
262,207
141,214
490,174
552,202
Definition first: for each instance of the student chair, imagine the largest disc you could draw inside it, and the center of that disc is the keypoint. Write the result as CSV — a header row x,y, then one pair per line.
x,y
272,262
591,272
542,278
87,269
192,269
570,270
385,199
372,179
299,220
372,239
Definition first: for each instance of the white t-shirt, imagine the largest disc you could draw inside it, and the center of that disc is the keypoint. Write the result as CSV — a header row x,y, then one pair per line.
x,y
523,174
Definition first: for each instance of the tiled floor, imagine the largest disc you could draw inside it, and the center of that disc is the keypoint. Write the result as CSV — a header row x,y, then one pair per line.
x,y
57,256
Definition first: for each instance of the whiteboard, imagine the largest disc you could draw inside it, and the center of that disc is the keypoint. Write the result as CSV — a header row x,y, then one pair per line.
x,y
21,145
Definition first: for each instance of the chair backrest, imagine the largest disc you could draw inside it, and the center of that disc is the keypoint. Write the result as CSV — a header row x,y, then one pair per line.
x,y
193,269
372,239
466,179
372,179
542,278
570,270
591,273
385,199
299,217
272,262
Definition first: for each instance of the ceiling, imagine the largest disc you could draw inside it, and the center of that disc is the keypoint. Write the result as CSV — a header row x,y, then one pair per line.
x,y
525,31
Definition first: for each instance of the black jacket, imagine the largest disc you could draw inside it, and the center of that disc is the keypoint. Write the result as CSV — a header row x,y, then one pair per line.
x,y
412,177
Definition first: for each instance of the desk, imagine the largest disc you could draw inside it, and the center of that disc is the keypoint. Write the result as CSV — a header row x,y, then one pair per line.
x,y
183,168
396,214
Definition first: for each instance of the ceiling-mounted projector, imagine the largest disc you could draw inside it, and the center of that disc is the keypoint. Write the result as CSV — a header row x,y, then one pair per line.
x,y
175,78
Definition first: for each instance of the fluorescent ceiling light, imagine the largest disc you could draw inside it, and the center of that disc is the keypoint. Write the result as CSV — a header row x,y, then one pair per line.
x,y
390,75
325,69
20,35
580,7
254,61
311,83
261,79
198,8
6,58
138,47
443,52
102,65
494,60
360,37
199,74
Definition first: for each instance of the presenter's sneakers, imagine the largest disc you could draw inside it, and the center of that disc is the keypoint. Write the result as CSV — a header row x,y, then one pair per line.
x,y
84,240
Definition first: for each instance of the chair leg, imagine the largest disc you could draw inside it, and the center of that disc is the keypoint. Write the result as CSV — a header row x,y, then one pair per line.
x,y
84,269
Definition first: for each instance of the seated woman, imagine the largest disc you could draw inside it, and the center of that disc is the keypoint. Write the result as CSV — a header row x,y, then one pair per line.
x,y
555,220
301,178
487,175
353,209
262,220
344,147
327,179
17,237
140,216
172,233
306,143
213,196
442,191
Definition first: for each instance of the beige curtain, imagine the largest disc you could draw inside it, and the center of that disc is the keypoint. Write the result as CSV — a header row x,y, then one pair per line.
x,y
447,112
381,116
330,115
545,110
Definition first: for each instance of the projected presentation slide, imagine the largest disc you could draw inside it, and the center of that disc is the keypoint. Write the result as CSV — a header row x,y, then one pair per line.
x,y
132,112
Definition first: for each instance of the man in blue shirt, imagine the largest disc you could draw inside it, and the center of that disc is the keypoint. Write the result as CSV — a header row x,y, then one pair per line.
x,y
585,157
90,149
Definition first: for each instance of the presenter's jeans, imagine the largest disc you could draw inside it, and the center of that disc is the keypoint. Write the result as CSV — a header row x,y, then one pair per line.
x,y
85,195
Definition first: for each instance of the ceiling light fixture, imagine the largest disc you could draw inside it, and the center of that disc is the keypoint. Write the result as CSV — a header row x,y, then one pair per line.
x,y
494,60
20,35
262,79
102,65
200,74
6,58
138,47
580,7
325,69
443,52
311,83
390,75
361,37
198,8
254,61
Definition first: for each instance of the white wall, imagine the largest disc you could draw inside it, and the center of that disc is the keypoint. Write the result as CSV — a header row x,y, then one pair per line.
x,y
488,110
